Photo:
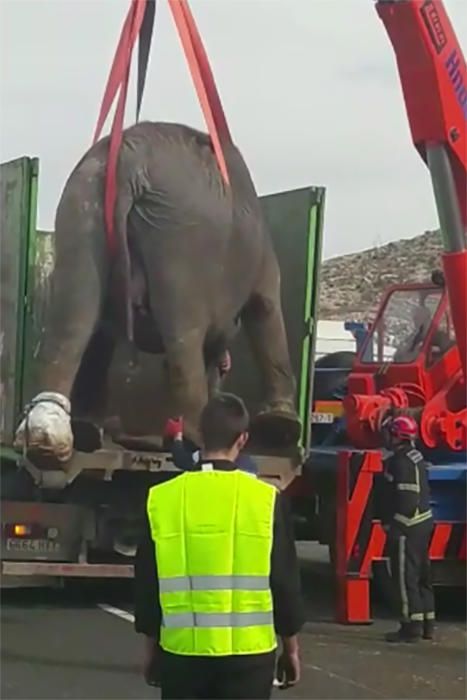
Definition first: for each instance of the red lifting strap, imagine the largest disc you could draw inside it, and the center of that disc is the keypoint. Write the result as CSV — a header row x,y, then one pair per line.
x,y
118,81
203,80
119,66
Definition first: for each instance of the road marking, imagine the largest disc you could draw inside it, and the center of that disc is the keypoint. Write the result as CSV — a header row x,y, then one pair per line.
x,y
346,679
122,614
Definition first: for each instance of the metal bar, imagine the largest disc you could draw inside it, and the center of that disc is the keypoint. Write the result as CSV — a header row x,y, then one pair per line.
x,y
12,568
447,202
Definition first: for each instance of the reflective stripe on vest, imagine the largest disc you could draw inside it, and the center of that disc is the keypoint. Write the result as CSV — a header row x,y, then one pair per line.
x,y
244,619
213,583
213,538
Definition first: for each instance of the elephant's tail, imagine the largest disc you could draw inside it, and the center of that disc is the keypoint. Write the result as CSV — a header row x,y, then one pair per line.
x,y
122,264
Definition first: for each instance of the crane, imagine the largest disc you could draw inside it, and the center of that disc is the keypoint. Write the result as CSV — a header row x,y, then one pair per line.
x,y
431,384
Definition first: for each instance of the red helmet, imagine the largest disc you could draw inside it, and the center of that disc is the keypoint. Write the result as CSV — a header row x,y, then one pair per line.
x,y
403,428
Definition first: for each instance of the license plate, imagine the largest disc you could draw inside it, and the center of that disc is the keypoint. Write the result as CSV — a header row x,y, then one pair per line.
x,y
15,544
322,418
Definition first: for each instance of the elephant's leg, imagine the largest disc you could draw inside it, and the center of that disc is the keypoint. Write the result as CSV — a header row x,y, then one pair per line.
x,y
69,329
178,318
264,324
187,379
213,356
75,305
76,300
89,393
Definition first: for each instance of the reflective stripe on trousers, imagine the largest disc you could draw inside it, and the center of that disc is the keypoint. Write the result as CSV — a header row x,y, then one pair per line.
x,y
402,584
416,520
244,619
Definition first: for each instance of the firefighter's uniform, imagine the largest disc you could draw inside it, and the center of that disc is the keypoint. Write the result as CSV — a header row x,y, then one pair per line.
x,y
409,522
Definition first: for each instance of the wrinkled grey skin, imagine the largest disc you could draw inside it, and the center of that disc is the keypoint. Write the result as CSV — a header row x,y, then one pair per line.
x,y
200,260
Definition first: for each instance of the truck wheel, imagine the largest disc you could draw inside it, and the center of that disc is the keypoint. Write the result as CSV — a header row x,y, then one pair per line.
x,y
328,385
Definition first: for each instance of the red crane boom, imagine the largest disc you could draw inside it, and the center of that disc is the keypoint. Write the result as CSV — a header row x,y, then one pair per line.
x,y
428,383
432,71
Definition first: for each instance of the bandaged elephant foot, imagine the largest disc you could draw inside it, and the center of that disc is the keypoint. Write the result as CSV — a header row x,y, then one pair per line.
x,y
46,427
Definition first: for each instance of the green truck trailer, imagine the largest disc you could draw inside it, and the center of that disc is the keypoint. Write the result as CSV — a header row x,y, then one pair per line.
x,y
82,520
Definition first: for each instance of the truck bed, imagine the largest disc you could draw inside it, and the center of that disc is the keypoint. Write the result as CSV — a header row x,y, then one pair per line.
x,y
279,469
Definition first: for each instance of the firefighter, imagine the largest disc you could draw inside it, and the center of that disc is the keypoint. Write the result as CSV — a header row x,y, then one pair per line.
x,y
410,347
216,576
408,522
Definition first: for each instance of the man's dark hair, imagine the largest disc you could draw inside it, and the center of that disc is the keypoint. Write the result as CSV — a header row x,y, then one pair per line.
x,y
223,420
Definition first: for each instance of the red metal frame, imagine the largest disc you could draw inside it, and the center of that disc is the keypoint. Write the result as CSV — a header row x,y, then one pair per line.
x,y
434,391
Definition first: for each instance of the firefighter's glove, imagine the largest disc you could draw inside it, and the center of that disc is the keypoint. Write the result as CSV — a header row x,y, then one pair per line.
x,y
174,429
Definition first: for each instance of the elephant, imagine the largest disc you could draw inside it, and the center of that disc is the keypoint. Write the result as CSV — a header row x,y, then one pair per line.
x,y
194,261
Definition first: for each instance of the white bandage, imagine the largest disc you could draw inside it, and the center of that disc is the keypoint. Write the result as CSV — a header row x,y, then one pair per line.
x,y
46,426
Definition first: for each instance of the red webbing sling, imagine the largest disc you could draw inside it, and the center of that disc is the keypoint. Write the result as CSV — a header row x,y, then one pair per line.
x,y
144,48
141,15
118,79
203,80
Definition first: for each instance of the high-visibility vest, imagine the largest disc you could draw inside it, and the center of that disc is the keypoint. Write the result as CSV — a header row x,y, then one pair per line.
x,y
212,532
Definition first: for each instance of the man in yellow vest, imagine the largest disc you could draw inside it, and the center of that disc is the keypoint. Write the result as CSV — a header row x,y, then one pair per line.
x,y
217,575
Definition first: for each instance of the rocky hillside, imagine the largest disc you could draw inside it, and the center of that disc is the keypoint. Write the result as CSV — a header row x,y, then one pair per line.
x,y
352,285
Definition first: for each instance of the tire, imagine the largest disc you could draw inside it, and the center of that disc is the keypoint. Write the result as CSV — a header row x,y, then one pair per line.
x,y
328,385
324,389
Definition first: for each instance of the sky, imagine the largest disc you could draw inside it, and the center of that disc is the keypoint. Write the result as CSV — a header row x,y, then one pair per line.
x,y
309,87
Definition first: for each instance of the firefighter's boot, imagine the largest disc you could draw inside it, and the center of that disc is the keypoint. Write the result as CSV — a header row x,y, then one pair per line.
x,y
428,629
407,632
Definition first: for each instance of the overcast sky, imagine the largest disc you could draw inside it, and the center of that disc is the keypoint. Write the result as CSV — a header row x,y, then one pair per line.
x,y
310,90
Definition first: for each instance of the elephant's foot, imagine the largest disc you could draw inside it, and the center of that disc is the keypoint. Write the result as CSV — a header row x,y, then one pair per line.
x,y
87,436
277,426
46,428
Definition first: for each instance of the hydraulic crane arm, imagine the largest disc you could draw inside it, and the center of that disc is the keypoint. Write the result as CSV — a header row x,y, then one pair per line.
x,y
432,71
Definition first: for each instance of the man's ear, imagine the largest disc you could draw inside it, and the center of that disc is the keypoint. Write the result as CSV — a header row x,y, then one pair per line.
x,y
241,441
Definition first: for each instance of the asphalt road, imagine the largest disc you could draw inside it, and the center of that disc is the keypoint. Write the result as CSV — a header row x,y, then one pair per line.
x,y
62,644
